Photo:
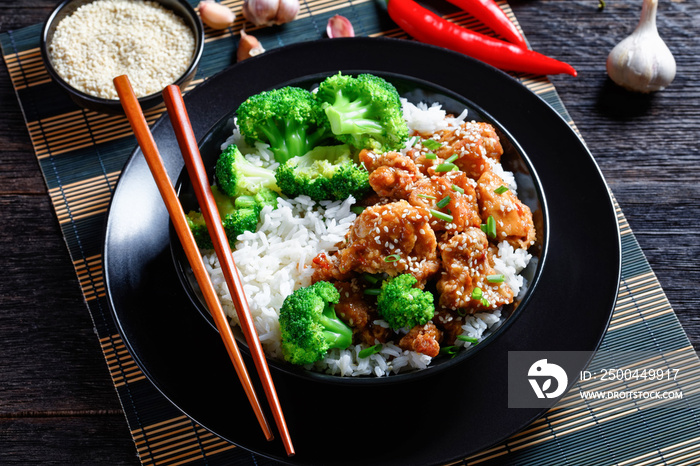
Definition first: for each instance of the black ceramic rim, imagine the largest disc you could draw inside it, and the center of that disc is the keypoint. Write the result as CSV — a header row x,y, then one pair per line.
x,y
466,406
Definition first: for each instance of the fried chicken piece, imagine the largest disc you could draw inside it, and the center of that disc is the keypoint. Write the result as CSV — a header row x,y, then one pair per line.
x,y
450,323
429,193
424,339
513,218
394,238
426,165
355,310
391,174
467,261
474,143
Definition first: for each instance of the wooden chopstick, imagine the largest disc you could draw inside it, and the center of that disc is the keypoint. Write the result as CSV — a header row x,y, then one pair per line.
x,y
177,215
197,172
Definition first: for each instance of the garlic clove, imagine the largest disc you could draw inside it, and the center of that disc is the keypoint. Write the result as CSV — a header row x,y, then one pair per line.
x,y
215,15
339,26
270,12
248,46
642,62
287,11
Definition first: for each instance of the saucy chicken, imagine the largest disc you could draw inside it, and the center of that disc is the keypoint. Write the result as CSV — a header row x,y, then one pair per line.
x,y
429,216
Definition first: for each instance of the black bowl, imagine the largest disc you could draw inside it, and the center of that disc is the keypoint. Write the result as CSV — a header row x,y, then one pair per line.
x,y
514,159
180,7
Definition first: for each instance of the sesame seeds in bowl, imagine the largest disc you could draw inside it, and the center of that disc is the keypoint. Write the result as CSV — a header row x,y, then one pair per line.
x,y
87,43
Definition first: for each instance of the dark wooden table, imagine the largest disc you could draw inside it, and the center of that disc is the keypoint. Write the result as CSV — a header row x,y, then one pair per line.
x,y
57,403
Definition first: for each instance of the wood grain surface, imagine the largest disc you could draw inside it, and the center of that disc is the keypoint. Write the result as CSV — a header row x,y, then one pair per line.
x,y
57,403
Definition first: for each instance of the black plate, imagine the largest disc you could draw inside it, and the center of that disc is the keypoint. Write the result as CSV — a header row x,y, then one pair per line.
x,y
514,159
431,420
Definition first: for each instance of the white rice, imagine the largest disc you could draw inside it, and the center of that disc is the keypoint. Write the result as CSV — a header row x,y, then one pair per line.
x,y
276,260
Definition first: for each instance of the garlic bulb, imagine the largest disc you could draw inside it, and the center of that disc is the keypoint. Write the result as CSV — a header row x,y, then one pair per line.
x,y
270,12
215,15
642,62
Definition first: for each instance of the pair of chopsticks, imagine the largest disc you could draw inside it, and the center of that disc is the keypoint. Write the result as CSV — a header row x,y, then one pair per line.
x,y
197,173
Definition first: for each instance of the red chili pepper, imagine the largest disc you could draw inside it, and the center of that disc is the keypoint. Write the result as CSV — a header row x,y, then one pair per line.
x,y
489,13
426,26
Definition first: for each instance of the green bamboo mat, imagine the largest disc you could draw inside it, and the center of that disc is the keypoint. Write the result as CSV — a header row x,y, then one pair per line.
x,y
81,154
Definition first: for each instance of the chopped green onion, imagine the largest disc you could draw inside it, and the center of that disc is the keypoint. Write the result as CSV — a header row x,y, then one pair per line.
x,y
392,258
431,144
443,202
446,167
485,302
477,293
369,278
449,350
430,156
468,339
501,189
458,189
372,291
441,215
451,158
601,5
426,196
500,278
370,351
489,227
462,312
357,209
412,142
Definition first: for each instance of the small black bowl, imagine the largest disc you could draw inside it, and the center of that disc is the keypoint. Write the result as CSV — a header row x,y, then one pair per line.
x,y
180,7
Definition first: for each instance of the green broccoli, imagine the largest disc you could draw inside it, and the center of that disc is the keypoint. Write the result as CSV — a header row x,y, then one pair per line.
x,y
236,176
401,305
195,220
241,220
261,199
288,119
323,173
237,216
364,112
266,197
309,324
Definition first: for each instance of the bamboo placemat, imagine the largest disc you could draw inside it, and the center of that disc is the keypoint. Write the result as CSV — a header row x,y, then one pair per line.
x,y
81,154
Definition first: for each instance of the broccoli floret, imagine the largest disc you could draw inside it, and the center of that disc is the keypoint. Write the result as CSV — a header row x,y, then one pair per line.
x,y
309,324
239,221
401,305
236,176
195,220
288,119
263,198
364,112
323,173
237,216
266,197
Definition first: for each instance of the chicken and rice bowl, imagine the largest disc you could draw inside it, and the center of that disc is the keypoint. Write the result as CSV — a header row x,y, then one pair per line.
x,y
416,259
